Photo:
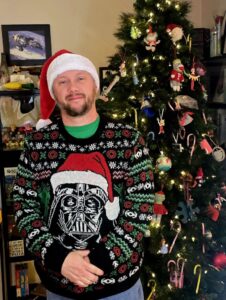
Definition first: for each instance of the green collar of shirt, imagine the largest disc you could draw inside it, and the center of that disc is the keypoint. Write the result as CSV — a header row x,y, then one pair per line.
x,y
85,131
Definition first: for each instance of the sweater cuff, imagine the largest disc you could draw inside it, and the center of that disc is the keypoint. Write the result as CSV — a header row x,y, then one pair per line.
x,y
55,257
99,256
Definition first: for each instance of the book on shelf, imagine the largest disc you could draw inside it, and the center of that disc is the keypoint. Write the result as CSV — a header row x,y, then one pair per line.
x,y
21,276
9,174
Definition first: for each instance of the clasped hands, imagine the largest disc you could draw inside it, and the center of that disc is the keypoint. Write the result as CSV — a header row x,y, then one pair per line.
x,y
78,269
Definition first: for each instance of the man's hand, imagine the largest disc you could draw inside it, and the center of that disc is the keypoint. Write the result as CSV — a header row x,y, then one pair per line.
x,y
78,269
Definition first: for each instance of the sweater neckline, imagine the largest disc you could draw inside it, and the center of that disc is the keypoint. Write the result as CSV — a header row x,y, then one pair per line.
x,y
91,139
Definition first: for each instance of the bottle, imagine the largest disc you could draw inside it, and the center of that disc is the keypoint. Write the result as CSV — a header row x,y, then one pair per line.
x,y
213,42
4,71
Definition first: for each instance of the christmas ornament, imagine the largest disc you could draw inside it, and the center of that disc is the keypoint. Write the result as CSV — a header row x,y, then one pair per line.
x,y
152,284
186,212
186,101
122,69
176,270
134,73
175,32
163,163
172,269
151,40
176,76
199,177
158,208
177,146
161,121
200,68
204,144
219,261
164,247
106,90
192,76
191,143
176,226
186,118
213,210
218,153
198,267
135,32
146,108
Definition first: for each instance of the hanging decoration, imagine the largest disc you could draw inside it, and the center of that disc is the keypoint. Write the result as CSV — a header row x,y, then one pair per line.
x,y
176,76
106,90
176,226
196,268
158,209
163,163
177,146
186,118
161,121
151,40
146,107
175,32
135,32
192,76
152,284
186,102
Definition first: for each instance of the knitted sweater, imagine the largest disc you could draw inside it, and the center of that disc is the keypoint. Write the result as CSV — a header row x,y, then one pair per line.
x,y
94,193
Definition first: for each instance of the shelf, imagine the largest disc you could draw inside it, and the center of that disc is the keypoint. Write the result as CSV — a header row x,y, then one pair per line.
x,y
217,105
18,93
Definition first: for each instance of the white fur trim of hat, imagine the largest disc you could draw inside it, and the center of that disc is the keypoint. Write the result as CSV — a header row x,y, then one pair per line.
x,y
67,62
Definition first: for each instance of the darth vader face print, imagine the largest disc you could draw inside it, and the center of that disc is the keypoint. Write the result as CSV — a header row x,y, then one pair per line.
x,y
83,201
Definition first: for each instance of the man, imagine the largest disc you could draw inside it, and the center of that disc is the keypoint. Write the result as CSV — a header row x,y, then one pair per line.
x,y
84,190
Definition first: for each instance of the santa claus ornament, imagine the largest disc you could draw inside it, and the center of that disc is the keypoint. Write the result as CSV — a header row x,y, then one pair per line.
x,y
151,40
175,32
176,76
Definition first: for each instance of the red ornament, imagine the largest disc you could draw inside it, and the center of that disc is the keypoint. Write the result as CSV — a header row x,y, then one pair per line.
x,y
219,260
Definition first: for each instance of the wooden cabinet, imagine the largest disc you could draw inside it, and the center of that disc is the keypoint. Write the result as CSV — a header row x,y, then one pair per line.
x,y
19,111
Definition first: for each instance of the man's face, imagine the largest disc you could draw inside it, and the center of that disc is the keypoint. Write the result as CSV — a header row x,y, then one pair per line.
x,y
75,93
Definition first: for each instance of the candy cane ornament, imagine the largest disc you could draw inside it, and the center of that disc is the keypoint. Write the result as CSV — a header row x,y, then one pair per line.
x,y
199,276
178,230
152,283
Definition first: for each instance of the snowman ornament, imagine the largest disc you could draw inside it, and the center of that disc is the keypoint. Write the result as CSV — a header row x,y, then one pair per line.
x,y
177,76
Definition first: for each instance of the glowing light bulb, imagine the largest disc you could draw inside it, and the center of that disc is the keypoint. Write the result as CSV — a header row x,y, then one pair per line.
x,y
114,116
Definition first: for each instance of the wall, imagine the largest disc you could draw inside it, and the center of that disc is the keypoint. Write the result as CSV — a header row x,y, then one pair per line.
x,y
84,26
211,8
87,26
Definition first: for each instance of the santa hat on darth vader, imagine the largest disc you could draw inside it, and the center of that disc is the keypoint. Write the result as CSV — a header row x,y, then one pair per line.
x,y
61,61
90,169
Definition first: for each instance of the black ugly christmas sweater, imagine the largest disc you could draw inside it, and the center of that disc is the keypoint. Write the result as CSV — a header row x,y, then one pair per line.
x,y
95,193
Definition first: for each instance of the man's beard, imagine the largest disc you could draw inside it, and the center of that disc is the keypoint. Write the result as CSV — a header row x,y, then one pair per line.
x,y
76,112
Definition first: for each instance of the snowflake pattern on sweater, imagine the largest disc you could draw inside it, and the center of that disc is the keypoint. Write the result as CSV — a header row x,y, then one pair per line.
x,y
95,194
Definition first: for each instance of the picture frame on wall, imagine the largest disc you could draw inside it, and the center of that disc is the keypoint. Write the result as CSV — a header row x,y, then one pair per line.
x,y
26,44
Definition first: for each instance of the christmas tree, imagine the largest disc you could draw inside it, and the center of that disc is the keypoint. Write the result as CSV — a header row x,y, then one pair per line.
x,y
156,83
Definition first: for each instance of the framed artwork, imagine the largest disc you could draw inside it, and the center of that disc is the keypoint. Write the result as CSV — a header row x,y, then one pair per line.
x,y
26,45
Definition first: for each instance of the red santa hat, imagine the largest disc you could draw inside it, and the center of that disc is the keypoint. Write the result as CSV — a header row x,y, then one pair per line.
x,y
61,61
90,169
172,26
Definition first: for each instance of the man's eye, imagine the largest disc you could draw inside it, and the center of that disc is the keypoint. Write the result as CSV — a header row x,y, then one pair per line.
x,y
62,82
